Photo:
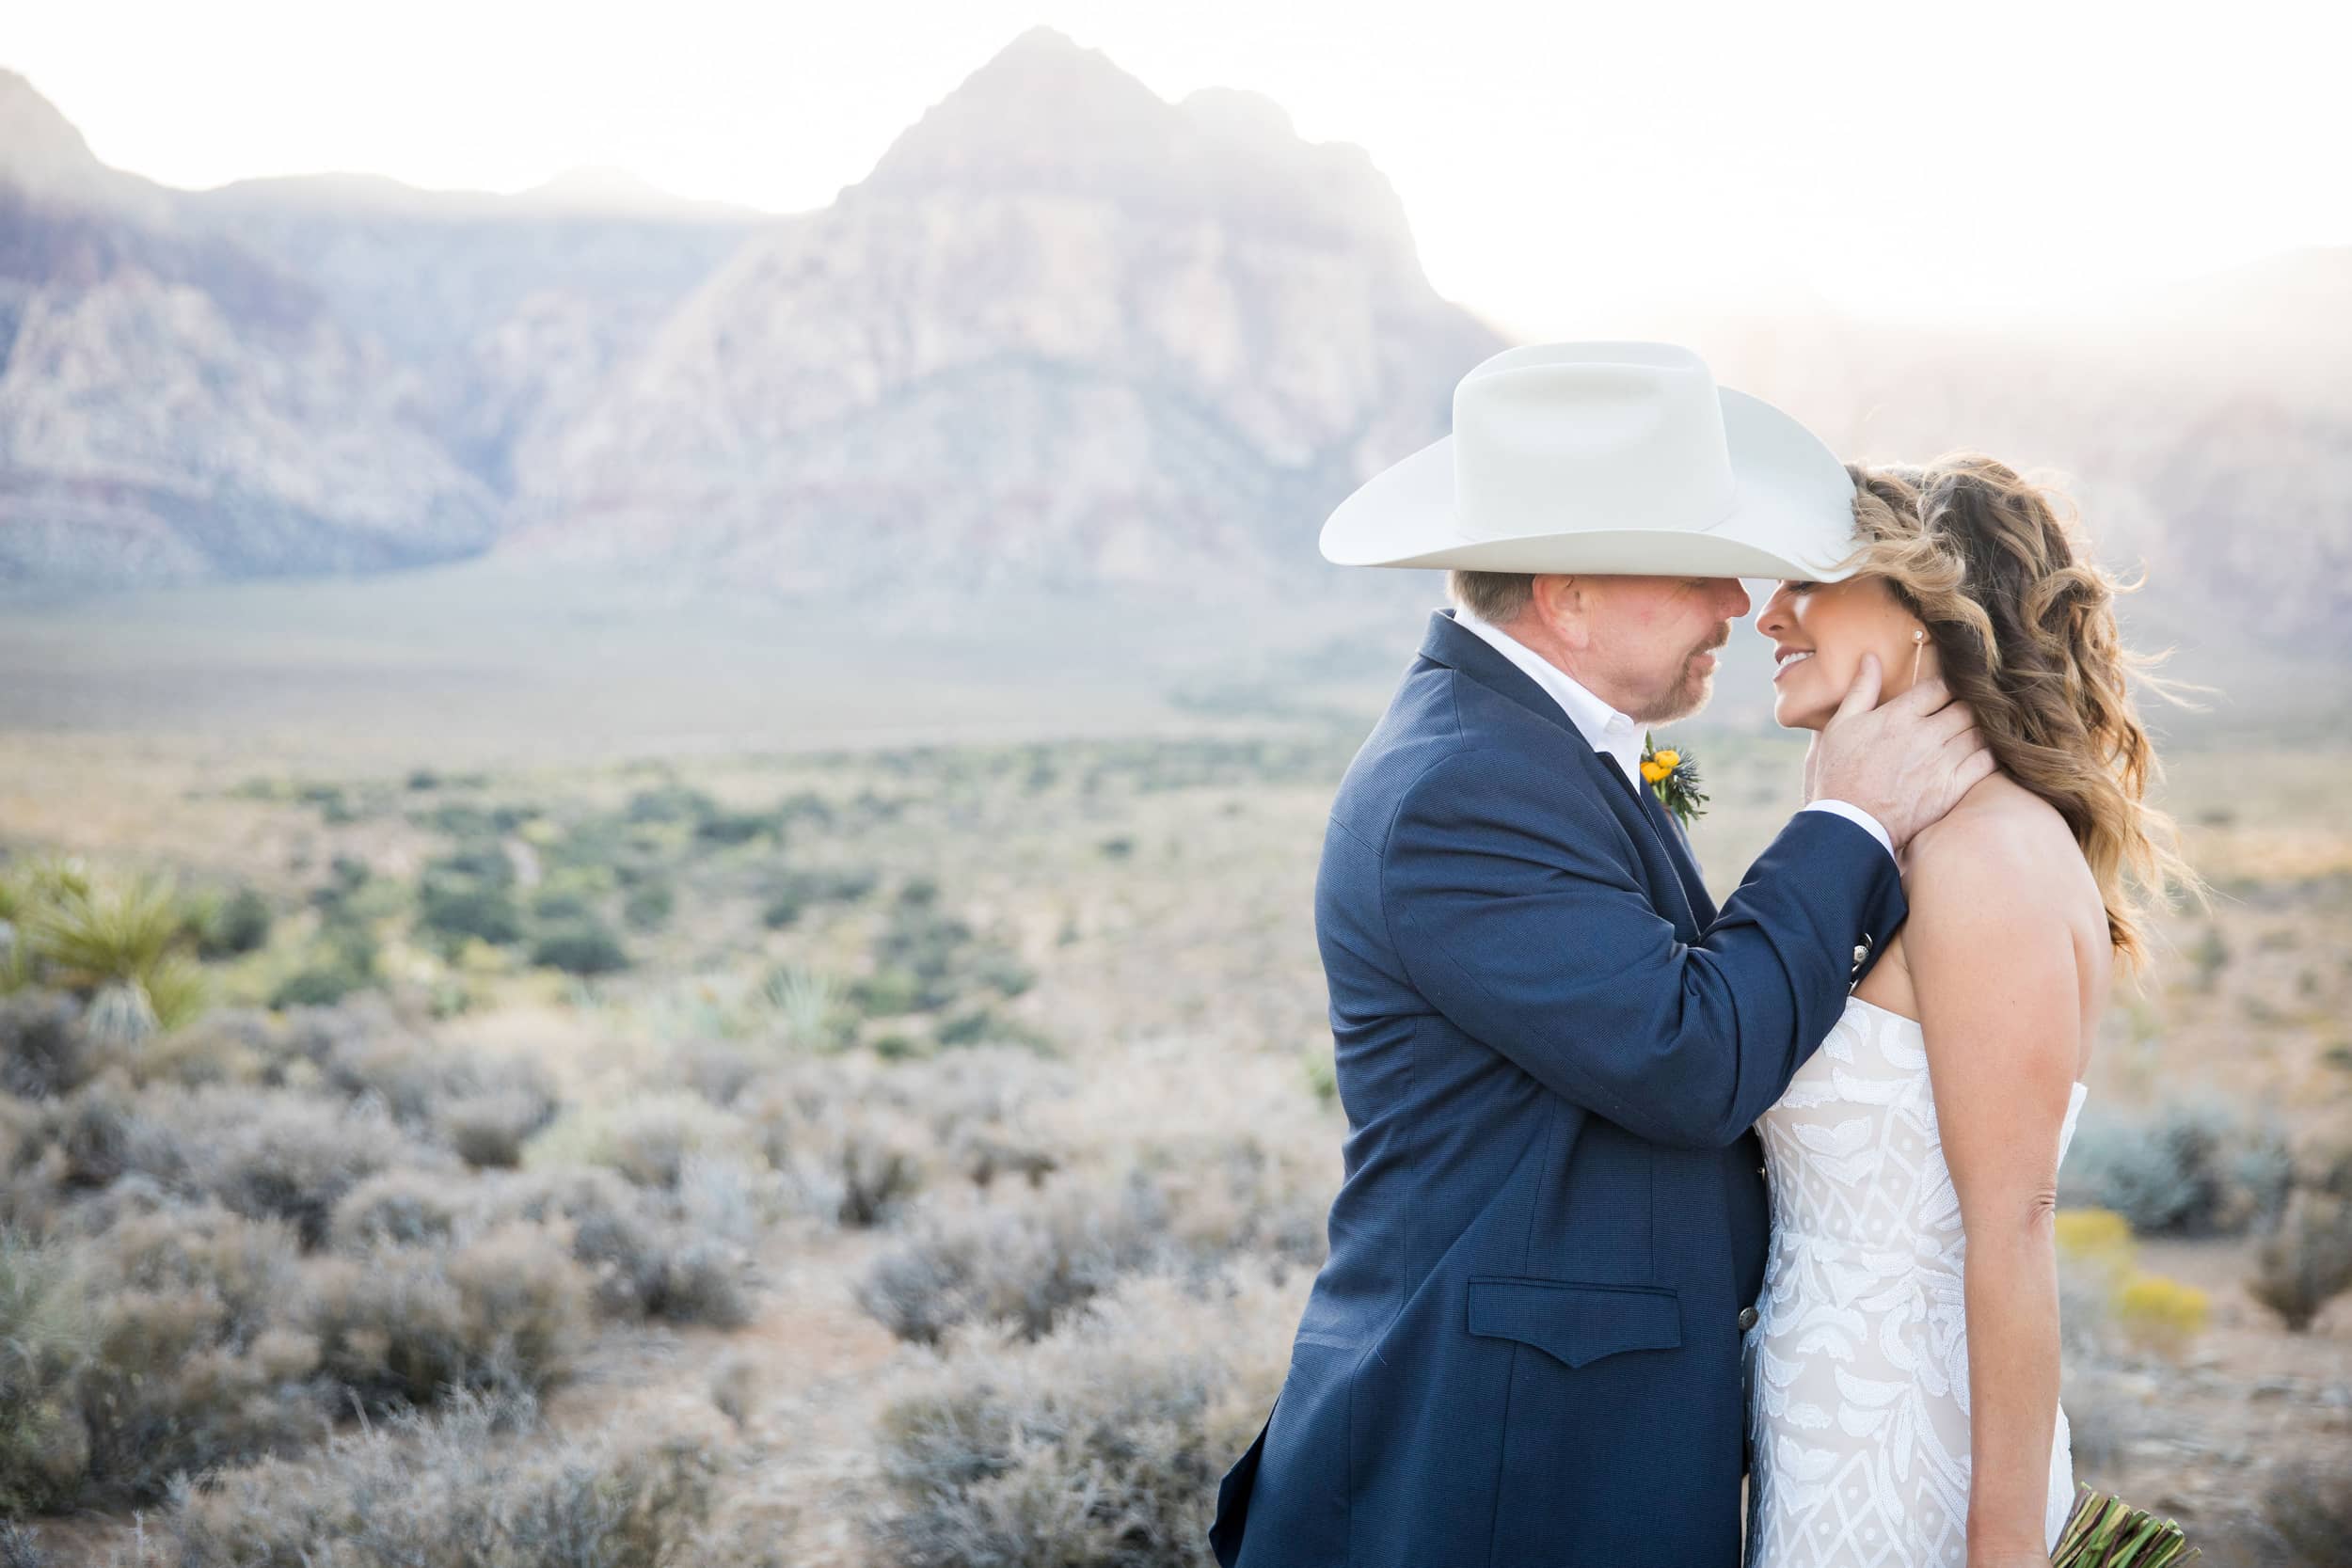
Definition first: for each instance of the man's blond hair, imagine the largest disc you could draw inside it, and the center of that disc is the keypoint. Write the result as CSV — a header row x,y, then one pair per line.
x,y
1495,597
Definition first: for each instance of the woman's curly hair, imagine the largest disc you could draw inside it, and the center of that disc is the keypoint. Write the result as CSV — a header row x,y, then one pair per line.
x,y
2023,623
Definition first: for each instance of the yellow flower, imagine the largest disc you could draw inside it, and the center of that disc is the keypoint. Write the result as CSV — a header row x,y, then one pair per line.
x,y
1653,772
1659,765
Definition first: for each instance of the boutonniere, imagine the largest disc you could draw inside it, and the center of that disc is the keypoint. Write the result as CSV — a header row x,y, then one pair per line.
x,y
1674,777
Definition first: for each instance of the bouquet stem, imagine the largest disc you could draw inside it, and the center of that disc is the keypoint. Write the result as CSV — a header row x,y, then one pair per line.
x,y
2109,1533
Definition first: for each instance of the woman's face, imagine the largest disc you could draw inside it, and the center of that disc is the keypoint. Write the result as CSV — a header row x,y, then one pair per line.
x,y
1820,631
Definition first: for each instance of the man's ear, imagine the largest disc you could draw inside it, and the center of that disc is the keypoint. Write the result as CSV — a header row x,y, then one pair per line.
x,y
1560,602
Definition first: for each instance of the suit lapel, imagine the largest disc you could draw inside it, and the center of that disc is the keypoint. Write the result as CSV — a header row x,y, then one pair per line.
x,y
1677,894
1677,846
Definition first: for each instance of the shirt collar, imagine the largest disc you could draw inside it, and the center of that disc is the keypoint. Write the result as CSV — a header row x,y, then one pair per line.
x,y
1604,729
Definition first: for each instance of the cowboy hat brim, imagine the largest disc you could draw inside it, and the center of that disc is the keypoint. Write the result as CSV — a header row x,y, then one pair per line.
x,y
1793,517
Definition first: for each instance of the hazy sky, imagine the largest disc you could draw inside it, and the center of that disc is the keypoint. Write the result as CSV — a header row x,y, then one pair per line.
x,y
1557,160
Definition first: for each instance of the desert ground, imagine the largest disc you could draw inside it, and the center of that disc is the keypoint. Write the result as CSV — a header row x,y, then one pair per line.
x,y
782,1143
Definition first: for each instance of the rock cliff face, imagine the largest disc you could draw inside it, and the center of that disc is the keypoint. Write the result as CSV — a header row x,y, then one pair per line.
x,y
1064,332
1065,335
292,376
173,406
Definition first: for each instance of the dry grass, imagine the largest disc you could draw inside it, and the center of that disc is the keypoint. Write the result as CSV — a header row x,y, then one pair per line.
x,y
659,1196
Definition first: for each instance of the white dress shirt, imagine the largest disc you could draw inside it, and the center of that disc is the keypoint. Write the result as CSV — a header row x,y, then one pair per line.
x,y
1610,732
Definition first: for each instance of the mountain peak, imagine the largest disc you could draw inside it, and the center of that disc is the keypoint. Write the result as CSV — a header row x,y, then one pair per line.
x,y
1047,116
45,159
1011,121
40,151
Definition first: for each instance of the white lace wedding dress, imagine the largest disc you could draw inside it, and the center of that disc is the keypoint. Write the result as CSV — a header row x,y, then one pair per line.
x,y
1858,1359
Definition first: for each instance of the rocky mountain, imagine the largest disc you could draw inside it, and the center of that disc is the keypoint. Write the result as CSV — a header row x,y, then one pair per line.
x,y
1065,336
294,375
174,407
509,310
1065,333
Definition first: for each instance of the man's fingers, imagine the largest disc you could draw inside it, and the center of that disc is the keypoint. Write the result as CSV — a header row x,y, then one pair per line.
x,y
1961,744
1953,719
1929,695
1863,695
1972,772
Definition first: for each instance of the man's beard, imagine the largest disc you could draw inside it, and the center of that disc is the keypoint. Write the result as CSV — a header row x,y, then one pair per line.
x,y
1692,687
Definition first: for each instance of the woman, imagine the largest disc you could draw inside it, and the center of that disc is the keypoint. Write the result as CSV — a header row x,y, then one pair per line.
x,y
1905,1410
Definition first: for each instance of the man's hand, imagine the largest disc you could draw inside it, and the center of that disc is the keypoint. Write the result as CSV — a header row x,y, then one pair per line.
x,y
1906,764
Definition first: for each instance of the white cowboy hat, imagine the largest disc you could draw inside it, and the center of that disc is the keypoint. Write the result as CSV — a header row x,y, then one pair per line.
x,y
1606,458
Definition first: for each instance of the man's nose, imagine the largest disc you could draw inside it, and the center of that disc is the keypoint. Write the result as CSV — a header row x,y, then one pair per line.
x,y
1736,596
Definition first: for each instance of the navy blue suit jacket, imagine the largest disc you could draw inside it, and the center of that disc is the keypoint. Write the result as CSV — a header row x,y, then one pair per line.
x,y
1524,1350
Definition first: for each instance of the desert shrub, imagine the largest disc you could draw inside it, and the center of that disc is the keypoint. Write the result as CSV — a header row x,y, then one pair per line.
x,y
227,1045
1234,1192
792,893
925,958
233,926
2160,1315
408,1324
21,1139
1190,1206
488,1127
365,1053
261,1154
194,1363
857,1164
2308,1507
1099,1445
2308,1261
98,1133
579,947
2181,1172
246,1269
44,1051
560,904
21,1547
719,1070
669,802
858,1140
149,1351
887,993
43,1339
452,910
1025,1267
644,1269
402,1208
646,1138
719,825
647,906
643,1260
320,985
472,1486
2096,1255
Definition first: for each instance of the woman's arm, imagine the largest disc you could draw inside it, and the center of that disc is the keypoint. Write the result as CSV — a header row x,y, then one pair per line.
x,y
1993,957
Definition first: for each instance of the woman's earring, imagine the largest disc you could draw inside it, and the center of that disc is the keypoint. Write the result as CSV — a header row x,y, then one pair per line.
x,y
1919,646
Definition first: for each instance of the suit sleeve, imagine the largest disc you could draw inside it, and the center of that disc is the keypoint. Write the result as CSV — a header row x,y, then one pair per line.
x,y
1515,904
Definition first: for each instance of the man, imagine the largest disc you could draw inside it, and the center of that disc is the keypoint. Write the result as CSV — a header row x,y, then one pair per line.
x,y
1524,1350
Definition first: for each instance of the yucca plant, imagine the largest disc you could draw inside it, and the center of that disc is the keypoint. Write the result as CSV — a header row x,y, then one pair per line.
x,y
806,1000
2109,1533
118,945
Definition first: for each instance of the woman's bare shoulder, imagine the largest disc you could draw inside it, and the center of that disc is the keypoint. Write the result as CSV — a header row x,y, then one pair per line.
x,y
2003,869
2001,837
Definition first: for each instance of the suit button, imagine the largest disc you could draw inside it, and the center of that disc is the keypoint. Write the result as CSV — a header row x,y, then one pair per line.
x,y
1747,1318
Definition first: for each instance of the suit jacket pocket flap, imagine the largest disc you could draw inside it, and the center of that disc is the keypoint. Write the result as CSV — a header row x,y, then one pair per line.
x,y
1575,1324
